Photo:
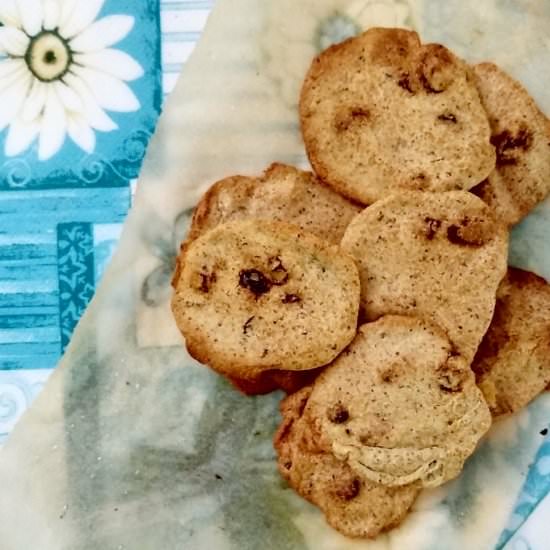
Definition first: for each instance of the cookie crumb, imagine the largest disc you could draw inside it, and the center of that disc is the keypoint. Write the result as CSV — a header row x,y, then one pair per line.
x,y
279,274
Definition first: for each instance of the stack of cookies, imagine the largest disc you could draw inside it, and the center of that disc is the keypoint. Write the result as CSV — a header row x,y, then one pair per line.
x,y
375,291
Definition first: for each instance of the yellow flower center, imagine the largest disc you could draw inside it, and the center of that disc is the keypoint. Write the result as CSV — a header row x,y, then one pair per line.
x,y
48,56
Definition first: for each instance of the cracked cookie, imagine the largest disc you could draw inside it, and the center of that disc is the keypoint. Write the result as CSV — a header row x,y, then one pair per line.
x,y
398,406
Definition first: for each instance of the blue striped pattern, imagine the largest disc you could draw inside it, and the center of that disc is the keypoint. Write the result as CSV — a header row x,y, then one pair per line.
x,y
182,22
39,305
30,306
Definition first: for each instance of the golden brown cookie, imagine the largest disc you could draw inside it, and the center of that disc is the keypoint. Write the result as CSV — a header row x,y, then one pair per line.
x,y
438,256
283,193
254,295
398,406
521,135
354,506
512,364
381,113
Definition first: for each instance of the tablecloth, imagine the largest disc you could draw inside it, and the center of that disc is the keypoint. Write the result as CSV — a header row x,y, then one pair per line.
x,y
61,216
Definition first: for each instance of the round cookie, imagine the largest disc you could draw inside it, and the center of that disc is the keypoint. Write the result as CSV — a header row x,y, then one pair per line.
x,y
398,406
354,506
255,295
521,135
512,363
438,256
283,193
381,113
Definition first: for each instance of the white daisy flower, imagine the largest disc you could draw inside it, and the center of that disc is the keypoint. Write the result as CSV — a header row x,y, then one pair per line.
x,y
59,74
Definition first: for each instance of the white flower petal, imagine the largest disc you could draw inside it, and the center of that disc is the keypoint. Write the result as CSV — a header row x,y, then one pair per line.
x,y
103,33
81,18
68,97
94,114
111,94
114,62
12,99
30,12
81,133
10,70
52,13
13,41
54,127
66,11
35,102
20,136
9,15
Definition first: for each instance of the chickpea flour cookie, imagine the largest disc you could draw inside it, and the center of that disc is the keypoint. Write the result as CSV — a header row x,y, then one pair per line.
x,y
521,135
283,193
398,406
289,381
253,295
351,504
381,113
438,256
512,364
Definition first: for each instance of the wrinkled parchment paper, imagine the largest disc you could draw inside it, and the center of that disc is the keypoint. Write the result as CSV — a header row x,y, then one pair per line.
x,y
133,445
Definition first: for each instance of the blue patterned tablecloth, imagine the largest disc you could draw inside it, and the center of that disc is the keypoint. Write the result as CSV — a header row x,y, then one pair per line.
x,y
68,167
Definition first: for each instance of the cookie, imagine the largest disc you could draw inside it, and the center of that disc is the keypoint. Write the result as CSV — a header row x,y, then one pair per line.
x,y
438,256
290,381
512,364
283,194
521,136
398,406
354,506
253,295
381,113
